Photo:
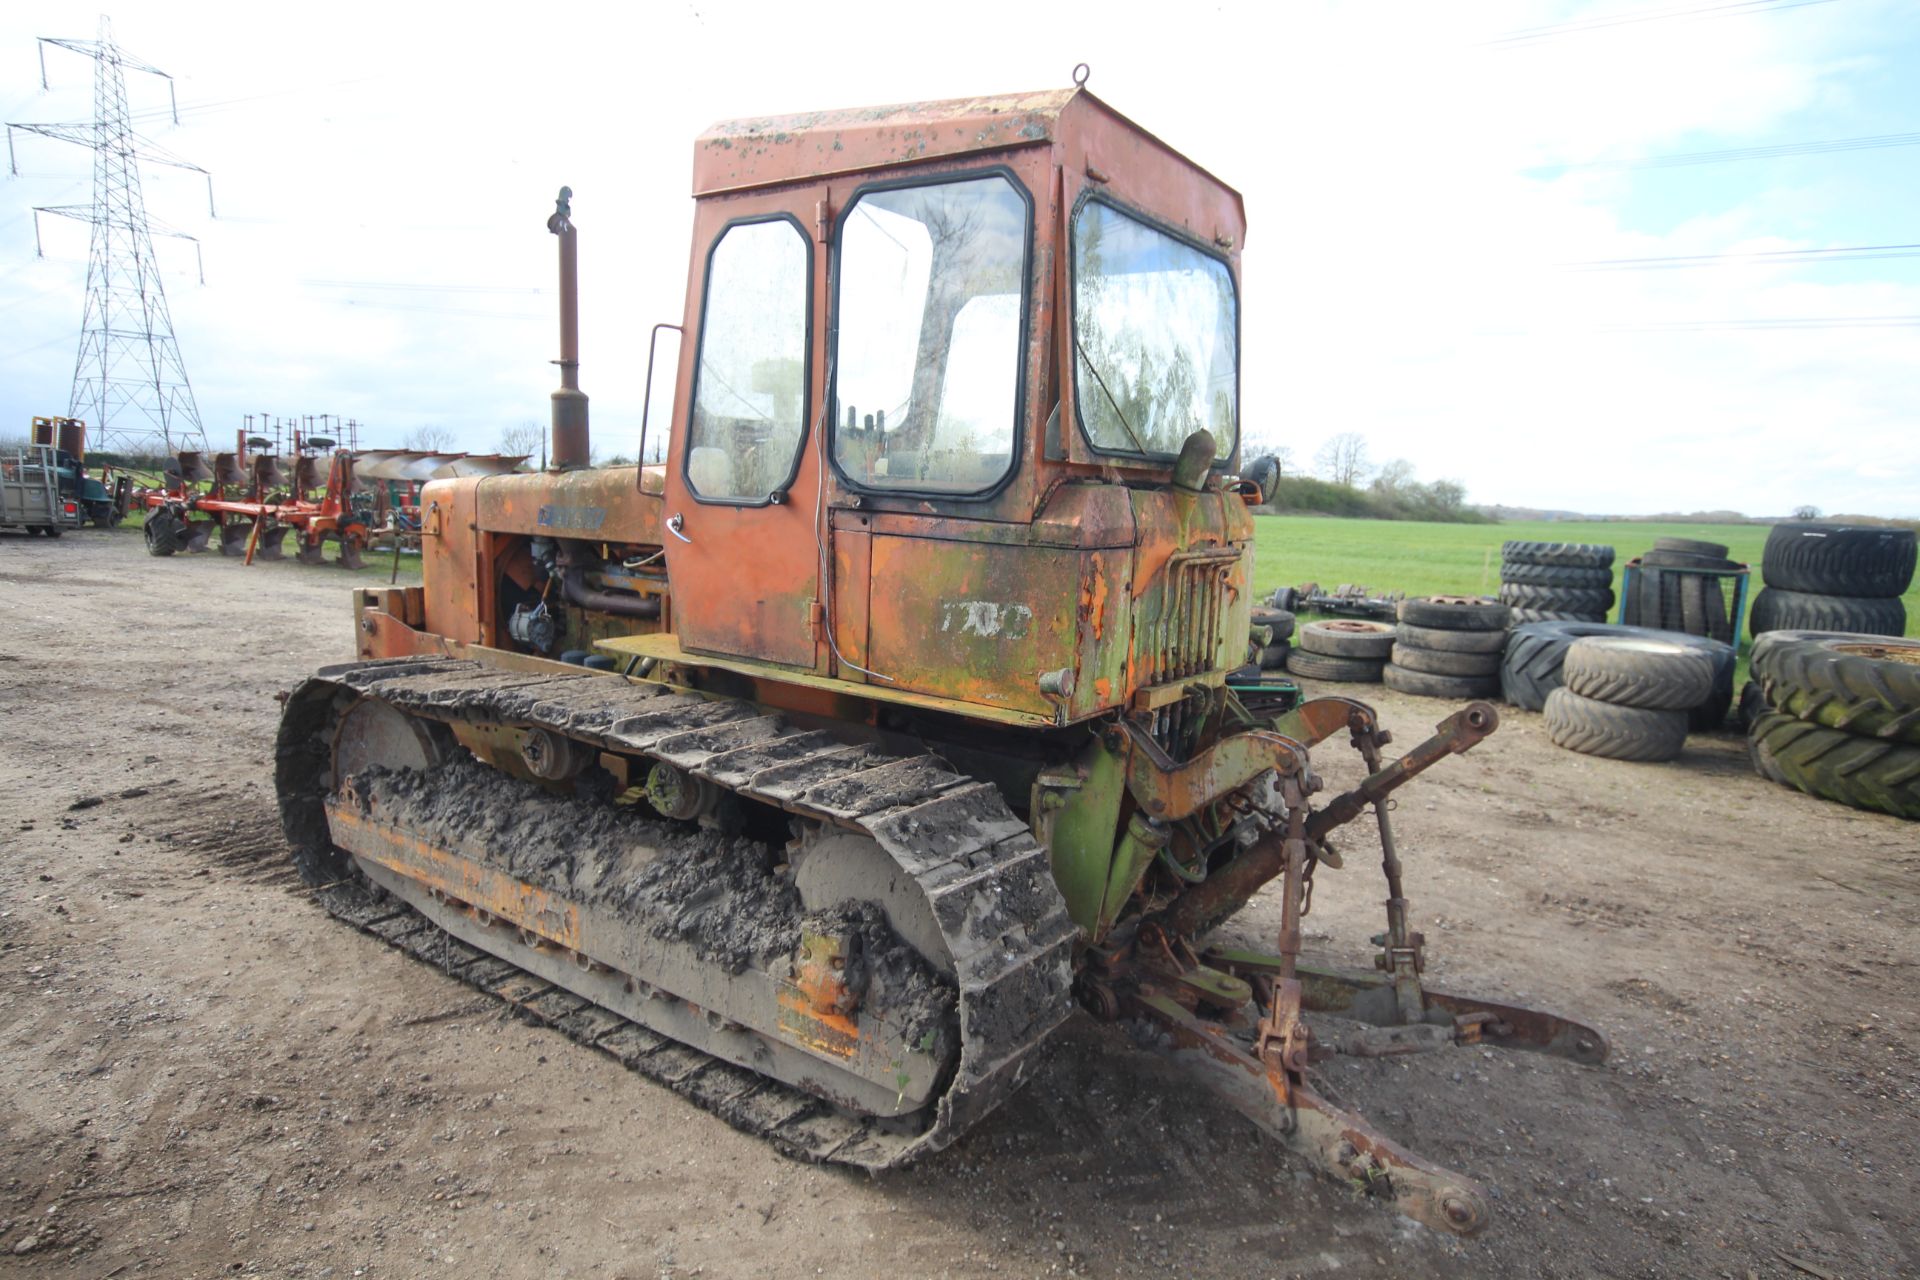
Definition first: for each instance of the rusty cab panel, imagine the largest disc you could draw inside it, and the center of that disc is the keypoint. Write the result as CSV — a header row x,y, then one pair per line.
x,y
931,513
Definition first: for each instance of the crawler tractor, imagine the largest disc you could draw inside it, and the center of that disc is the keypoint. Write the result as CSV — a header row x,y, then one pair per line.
x,y
820,772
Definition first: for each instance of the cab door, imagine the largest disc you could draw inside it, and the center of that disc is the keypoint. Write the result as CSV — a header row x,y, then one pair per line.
x,y
743,468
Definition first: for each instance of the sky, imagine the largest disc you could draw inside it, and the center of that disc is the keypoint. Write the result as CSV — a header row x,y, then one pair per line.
x,y
1428,190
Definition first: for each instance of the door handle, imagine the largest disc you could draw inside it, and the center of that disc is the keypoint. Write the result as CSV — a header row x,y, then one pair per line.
x,y
675,523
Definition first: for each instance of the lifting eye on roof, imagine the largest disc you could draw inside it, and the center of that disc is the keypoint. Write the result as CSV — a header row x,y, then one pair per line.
x,y
1080,74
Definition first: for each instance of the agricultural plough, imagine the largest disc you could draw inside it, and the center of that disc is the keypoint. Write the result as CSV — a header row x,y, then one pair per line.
x,y
250,503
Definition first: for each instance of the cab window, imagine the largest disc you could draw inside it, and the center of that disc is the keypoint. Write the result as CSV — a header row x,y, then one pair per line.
x,y
750,382
1156,338
931,286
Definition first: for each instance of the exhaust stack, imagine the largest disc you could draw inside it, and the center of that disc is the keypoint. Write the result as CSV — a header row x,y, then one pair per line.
x,y
571,446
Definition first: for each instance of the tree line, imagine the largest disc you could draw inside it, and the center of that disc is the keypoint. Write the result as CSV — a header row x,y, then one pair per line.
x,y
1344,481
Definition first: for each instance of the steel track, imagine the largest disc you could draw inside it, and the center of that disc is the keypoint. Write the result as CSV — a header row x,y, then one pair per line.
x,y
979,866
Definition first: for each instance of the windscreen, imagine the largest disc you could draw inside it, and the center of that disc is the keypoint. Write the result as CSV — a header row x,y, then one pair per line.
x,y
927,370
1155,335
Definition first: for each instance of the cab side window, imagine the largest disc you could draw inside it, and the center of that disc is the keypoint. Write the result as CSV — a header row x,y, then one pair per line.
x,y
750,380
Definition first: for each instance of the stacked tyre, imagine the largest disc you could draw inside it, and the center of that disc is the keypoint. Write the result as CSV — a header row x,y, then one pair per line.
x,y
1343,649
1627,697
1679,588
1448,647
1834,577
1533,666
1837,715
1272,638
1556,581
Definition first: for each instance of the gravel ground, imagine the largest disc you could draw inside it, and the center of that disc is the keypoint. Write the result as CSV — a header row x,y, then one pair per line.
x,y
201,1074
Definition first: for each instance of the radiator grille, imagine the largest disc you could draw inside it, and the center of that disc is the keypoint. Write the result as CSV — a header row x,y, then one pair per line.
x,y
1184,639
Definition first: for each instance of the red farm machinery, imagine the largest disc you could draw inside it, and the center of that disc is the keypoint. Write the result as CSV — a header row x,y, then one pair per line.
x,y
318,494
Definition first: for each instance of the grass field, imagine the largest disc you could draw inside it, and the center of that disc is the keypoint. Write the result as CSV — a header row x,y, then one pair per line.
x,y
1427,559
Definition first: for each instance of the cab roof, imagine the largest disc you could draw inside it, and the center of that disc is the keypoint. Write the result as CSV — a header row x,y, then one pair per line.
x,y
760,151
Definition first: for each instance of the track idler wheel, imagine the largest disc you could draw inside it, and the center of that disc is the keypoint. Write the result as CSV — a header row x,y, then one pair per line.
x,y
678,794
551,755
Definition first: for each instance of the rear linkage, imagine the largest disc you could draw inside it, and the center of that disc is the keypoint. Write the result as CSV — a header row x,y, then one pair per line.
x,y
1235,1018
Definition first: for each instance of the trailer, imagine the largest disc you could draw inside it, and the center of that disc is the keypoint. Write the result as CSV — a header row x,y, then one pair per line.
x,y
101,495
30,493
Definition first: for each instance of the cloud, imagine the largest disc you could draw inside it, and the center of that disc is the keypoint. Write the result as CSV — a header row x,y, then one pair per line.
x,y
1401,276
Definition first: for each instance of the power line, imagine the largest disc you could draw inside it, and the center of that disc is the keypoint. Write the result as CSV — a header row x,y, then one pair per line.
x,y
1772,257
50,342
1730,9
1770,152
225,104
1767,324
518,290
439,311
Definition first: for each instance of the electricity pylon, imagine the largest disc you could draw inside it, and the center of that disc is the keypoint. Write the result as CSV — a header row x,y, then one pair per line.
x,y
129,382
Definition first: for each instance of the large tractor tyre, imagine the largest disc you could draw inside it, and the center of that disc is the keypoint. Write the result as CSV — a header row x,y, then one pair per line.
x,y
1429,684
1347,638
1319,666
1767,641
1281,620
1839,559
1452,641
1703,608
1752,705
1867,773
1518,595
1580,554
1555,575
1536,653
1521,617
1597,728
1760,749
103,519
1273,657
1865,686
1777,610
1439,662
1457,613
161,532
1686,560
1638,671
1691,547
1654,600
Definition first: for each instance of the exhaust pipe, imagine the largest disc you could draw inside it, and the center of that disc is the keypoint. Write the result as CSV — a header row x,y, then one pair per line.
x,y
570,443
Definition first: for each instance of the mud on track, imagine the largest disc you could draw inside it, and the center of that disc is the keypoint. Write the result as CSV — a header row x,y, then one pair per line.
x,y
201,1074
